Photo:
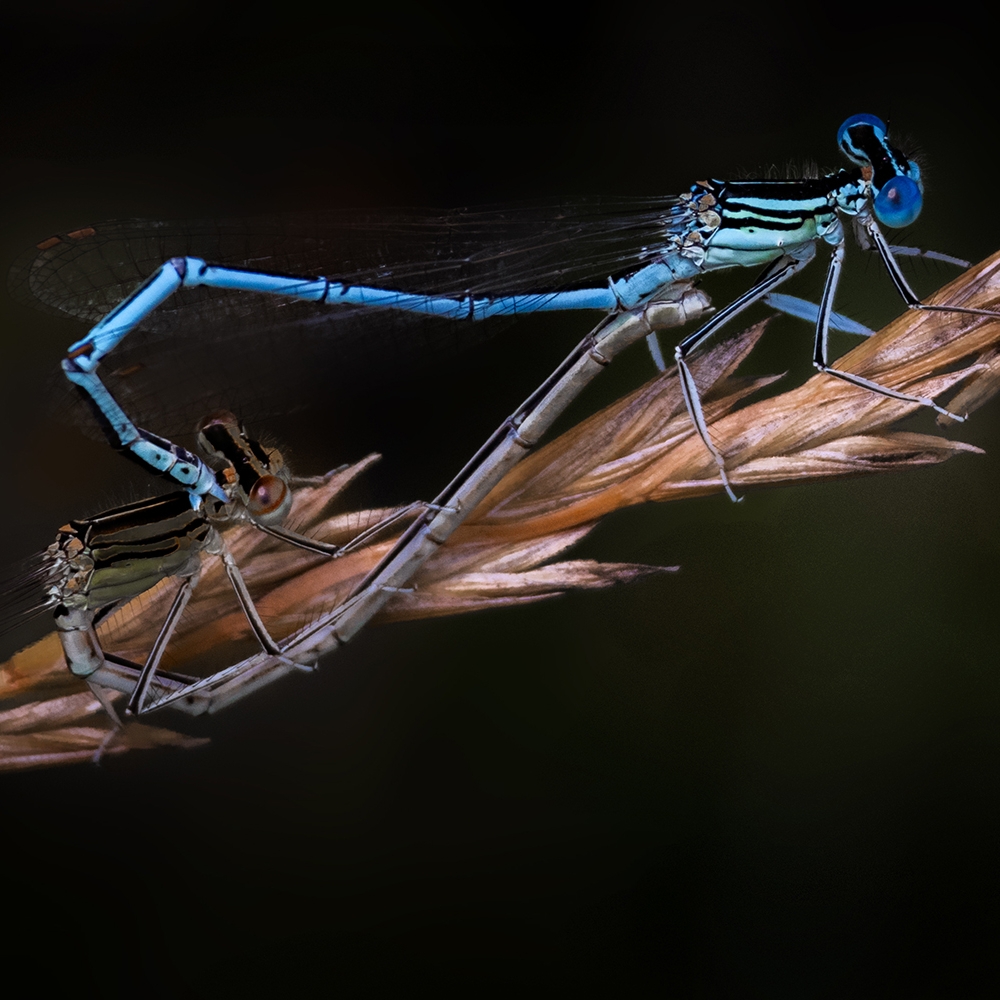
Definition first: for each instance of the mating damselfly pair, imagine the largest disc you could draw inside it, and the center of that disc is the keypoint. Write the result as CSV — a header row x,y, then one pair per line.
x,y
466,274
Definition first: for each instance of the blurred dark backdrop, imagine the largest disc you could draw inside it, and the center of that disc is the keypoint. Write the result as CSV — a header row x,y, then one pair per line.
x,y
775,773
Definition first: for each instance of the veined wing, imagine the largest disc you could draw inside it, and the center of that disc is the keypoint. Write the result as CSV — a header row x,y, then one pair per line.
x,y
264,353
488,252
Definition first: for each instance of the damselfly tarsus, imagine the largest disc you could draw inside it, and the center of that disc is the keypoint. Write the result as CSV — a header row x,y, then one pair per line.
x,y
714,226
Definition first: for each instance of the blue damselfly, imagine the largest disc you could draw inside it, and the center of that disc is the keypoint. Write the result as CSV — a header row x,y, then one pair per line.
x,y
715,225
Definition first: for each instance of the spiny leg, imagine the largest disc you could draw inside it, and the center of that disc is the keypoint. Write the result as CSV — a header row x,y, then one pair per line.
x,y
944,258
101,694
246,601
803,309
775,274
870,227
138,697
821,344
335,551
257,626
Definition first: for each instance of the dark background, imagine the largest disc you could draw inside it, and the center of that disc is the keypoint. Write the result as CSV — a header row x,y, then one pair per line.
x,y
773,774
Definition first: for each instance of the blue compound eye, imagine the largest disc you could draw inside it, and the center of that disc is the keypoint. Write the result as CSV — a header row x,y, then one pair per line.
x,y
876,123
899,202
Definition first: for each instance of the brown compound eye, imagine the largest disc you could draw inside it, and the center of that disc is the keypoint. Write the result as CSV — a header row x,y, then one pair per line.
x,y
267,495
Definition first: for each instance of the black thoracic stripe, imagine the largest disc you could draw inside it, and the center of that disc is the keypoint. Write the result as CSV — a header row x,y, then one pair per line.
x,y
733,197
138,514
142,530
146,552
736,205
737,213
749,223
165,540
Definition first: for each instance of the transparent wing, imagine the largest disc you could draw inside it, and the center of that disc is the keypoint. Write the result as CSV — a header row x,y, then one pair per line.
x,y
489,252
266,354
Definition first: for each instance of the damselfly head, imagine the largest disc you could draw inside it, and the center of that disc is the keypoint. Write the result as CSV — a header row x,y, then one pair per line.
x,y
897,191
253,473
